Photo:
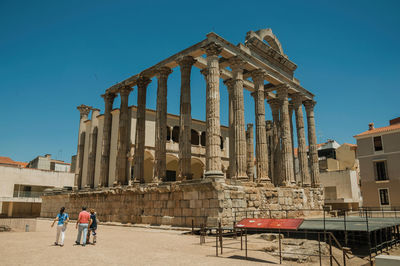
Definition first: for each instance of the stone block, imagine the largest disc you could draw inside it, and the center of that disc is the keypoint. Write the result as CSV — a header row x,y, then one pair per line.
x,y
190,195
171,204
214,203
167,220
187,212
206,203
184,203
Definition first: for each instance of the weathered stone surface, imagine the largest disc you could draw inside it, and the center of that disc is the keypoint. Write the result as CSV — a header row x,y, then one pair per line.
x,y
202,201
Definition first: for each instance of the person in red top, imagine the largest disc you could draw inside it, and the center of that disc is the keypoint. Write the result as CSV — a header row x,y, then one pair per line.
x,y
83,222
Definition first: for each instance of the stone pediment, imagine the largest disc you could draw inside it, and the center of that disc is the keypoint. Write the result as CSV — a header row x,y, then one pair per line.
x,y
267,45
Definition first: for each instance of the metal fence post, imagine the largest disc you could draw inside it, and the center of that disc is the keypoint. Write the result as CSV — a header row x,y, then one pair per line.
x,y
330,250
319,249
280,247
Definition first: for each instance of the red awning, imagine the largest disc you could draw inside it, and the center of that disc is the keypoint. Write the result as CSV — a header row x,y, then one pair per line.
x,y
262,223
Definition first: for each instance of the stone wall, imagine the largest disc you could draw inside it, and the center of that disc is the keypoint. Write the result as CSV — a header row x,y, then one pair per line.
x,y
179,203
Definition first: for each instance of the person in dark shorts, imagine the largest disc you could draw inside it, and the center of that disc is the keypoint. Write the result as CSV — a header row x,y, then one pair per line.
x,y
92,227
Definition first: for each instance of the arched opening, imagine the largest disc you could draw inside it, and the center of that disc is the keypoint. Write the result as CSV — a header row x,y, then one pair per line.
x,y
175,134
194,137
168,133
197,168
172,167
222,142
203,139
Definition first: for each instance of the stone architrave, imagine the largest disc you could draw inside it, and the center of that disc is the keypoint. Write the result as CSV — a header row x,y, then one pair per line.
x,y
276,140
304,172
161,125
84,111
261,137
238,118
185,119
312,143
123,138
287,155
105,147
142,84
229,84
250,152
213,131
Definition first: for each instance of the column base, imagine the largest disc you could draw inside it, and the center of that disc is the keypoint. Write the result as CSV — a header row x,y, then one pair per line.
x,y
214,175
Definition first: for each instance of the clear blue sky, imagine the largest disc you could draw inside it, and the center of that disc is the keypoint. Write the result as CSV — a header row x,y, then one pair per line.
x,y
55,55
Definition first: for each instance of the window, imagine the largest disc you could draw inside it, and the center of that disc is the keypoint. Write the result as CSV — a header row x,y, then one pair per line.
x,y
378,143
384,196
380,170
170,176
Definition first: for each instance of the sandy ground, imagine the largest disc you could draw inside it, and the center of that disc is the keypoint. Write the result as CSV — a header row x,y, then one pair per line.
x,y
118,245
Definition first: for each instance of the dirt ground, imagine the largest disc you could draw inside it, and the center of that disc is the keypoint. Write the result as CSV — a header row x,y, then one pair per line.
x,y
118,245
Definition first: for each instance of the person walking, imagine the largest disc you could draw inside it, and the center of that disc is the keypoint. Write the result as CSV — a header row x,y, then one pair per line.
x,y
83,222
62,220
92,227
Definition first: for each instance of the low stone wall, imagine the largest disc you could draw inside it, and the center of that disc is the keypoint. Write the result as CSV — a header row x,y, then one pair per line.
x,y
19,224
180,203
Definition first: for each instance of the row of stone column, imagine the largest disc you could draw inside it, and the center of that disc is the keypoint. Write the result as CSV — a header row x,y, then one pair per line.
x,y
240,150
280,133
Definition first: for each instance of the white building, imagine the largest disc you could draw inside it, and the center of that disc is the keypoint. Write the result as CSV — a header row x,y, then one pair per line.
x,y
21,188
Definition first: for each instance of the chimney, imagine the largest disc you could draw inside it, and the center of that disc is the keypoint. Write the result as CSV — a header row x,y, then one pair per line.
x,y
371,126
395,121
48,156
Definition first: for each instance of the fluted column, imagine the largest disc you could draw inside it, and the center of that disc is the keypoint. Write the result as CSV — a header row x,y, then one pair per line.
x,y
105,147
287,158
185,119
261,138
291,109
161,125
92,152
250,152
213,131
276,140
142,84
84,111
238,118
312,143
232,168
304,172
270,143
123,139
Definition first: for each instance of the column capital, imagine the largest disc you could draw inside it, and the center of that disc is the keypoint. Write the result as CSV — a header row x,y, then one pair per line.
x,y
229,84
283,91
212,49
274,103
204,72
297,99
249,126
143,82
237,63
186,61
268,125
84,110
258,75
309,104
109,96
125,90
163,72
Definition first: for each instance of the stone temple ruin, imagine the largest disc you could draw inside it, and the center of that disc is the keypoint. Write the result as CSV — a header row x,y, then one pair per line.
x,y
135,165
